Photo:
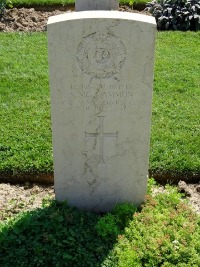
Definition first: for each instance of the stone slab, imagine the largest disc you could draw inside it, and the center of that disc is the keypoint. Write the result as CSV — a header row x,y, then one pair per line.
x,y
83,5
101,79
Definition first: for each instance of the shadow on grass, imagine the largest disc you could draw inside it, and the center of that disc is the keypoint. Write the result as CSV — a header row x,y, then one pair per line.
x,y
55,235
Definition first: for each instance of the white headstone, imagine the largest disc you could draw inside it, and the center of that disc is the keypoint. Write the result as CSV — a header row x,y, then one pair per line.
x,y
82,5
101,75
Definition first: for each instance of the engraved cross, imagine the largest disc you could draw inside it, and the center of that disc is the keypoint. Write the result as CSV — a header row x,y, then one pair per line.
x,y
101,135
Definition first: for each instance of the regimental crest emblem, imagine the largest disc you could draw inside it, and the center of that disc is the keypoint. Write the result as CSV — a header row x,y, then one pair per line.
x,y
101,55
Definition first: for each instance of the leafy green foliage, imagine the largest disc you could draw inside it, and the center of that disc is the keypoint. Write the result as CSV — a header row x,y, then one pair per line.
x,y
53,236
164,233
180,15
113,223
131,2
123,213
107,227
3,5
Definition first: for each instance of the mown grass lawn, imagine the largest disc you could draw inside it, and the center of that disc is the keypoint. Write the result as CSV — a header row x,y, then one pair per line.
x,y
175,138
25,132
25,116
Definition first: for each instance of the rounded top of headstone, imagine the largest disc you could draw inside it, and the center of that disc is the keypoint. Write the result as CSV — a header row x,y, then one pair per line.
x,y
102,15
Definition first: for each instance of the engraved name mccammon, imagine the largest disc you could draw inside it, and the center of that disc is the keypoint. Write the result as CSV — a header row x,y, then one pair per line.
x,y
101,94
108,98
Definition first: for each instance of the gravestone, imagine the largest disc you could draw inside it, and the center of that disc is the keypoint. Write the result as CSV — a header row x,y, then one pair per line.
x,y
101,75
82,5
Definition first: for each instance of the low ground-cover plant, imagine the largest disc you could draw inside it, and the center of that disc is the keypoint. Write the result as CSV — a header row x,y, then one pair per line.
x,y
165,233
57,235
180,15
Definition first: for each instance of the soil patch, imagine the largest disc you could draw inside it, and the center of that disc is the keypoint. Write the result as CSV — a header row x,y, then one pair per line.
x,y
17,198
32,20
26,20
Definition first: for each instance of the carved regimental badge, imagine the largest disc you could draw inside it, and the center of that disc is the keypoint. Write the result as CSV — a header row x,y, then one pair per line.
x,y
101,55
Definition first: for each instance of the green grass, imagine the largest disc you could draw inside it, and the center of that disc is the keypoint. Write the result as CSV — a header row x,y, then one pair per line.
x,y
175,138
42,2
25,132
64,2
164,233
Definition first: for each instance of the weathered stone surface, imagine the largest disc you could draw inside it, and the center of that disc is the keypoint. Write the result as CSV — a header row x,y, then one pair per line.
x,y
101,76
83,5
